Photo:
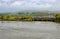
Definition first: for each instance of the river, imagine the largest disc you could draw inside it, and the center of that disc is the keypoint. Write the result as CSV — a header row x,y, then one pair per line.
x,y
29,30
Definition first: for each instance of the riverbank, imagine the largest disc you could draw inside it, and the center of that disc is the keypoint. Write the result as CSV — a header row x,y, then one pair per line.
x,y
34,16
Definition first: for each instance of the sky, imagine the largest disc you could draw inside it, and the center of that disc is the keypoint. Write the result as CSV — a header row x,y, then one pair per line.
x,y
29,5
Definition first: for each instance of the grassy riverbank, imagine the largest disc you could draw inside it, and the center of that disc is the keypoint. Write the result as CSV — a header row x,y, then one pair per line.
x,y
30,16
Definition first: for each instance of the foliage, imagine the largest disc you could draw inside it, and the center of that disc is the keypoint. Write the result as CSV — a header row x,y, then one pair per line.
x,y
26,16
57,17
11,18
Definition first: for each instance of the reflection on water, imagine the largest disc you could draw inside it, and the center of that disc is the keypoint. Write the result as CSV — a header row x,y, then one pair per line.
x,y
29,30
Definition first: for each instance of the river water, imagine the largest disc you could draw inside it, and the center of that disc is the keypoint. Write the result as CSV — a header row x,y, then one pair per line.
x,y
29,30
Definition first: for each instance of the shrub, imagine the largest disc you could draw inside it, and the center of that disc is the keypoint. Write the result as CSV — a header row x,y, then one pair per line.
x,y
11,18
26,18
57,17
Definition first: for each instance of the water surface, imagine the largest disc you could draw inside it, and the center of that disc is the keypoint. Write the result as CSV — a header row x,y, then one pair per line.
x,y
29,30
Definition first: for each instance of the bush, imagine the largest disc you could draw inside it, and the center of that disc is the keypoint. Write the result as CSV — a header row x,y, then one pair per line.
x,y
11,18
26,18
57,17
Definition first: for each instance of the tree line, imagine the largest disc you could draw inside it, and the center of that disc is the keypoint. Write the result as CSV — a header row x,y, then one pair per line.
x,y
29,17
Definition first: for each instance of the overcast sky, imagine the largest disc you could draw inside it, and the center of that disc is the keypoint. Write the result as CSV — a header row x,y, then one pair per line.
x,y
26,5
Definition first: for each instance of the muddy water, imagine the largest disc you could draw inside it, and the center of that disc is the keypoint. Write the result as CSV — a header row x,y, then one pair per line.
x,y
29,30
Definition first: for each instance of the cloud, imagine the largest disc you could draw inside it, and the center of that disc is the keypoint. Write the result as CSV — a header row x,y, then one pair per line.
x,y
6,0
45,5
0,4
31,3
34,3
28,4
53,1
16,3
